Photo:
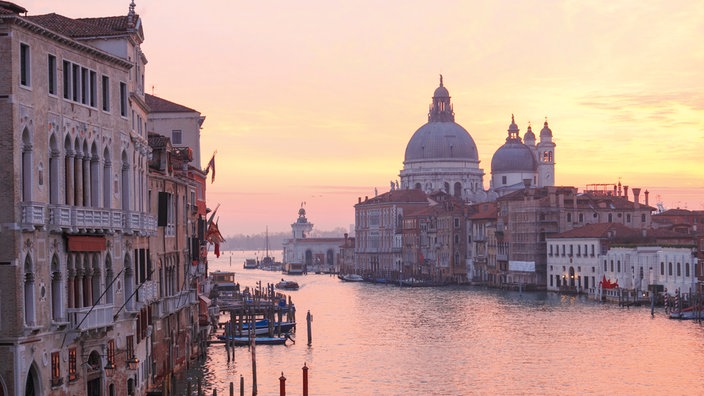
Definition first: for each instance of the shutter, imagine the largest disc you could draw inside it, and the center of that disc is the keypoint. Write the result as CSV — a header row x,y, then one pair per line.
x,y
163,208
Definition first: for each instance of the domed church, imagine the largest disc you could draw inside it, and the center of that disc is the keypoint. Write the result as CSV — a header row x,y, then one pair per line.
x,y
519,163
442,155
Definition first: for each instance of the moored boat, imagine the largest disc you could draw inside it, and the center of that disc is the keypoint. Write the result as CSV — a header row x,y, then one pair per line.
x,y
351,278
689,313
240,341
287,285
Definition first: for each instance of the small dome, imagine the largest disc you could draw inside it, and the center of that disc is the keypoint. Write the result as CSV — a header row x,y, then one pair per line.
x,y
545,132
529,135
513,157
441,92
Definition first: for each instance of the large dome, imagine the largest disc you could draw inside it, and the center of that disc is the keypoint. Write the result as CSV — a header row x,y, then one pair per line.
x,y
513,157
441,140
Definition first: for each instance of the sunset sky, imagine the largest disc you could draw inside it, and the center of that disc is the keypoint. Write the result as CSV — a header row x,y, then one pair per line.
x,y
315,101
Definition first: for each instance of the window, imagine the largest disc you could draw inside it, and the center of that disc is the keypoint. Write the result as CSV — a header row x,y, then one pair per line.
x,y
618,265
662,268
686,269
111,352
67,80
679,269
56,369
176,137
611,218
503,180
581,217
52,74
106,93
669,269
123,99
550,251
569,217
85,84
642,218
25,74
72,371
129,340
628,217
93,81
76,82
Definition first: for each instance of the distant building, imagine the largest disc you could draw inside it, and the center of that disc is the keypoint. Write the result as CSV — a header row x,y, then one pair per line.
x,y
311,254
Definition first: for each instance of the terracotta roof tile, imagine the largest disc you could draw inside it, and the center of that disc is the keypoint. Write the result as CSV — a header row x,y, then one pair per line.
x,y
159,105
82,27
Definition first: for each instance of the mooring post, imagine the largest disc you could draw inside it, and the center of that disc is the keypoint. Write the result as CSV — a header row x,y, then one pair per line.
x,y
305,380
282,385
309,318
200,386
188,386
241,385
215,392
232,389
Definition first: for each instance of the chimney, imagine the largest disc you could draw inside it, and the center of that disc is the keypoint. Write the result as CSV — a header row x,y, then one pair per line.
x,y
636,197
625,191
646,197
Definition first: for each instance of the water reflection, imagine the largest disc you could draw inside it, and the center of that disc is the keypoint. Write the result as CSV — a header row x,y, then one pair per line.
x,y
384,340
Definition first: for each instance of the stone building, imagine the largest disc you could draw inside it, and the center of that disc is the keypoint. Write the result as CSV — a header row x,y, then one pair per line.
x,y
92,265
309,253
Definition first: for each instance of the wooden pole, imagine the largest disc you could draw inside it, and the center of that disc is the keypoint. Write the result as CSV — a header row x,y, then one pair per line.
x,y
282,385
253,345
305,380
241,385
232,389
309,318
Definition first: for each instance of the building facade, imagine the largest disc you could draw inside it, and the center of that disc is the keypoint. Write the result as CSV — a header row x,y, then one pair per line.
x,y
95,263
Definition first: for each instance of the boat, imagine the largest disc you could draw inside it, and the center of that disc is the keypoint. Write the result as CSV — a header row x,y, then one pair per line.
x,y
239,341
689,313
293,268
261,327
223,283
351,278
268,261
287,285
413,282
250,264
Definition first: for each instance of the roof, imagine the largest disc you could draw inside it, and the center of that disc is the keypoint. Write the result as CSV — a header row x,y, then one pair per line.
x,y
159,105
83,27
398,196
600,230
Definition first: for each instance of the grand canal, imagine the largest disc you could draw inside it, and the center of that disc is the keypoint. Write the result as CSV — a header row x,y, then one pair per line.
x,y
383,340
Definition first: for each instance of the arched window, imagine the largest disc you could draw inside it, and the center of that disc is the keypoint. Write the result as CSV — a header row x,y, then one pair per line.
x,y
29,317
86,181
107,179
129,282
94,177
418,186
53,170
125,182
68,172
108,280
447,187
26,175
686,269
457,190
95,279
669,269
57,314
78,175
679,269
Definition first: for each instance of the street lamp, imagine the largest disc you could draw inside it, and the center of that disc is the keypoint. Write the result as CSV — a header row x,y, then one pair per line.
x,y
133,363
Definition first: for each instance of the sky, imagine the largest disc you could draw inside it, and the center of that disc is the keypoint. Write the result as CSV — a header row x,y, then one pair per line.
x,y
313,102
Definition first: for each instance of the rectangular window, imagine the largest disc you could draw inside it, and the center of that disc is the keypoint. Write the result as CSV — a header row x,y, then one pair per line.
x,y
25,74
56,369
85,94
106,93
67,80
72,368
123,99
93,89
129,340
52,74
176,137
76,82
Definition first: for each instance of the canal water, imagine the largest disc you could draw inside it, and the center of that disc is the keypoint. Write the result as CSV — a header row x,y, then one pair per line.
x,y
372,339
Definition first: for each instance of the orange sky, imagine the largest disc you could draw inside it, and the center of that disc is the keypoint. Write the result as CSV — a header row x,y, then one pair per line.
x,y
315,101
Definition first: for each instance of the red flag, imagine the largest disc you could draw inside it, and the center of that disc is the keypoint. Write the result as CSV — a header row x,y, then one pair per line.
x,y
211,164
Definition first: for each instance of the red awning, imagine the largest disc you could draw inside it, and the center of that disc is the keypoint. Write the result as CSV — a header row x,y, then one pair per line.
x,y
84,243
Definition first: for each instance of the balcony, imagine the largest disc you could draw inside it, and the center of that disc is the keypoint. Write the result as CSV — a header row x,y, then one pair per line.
x,y
86,319
148,292
172,304
89,219
32,215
